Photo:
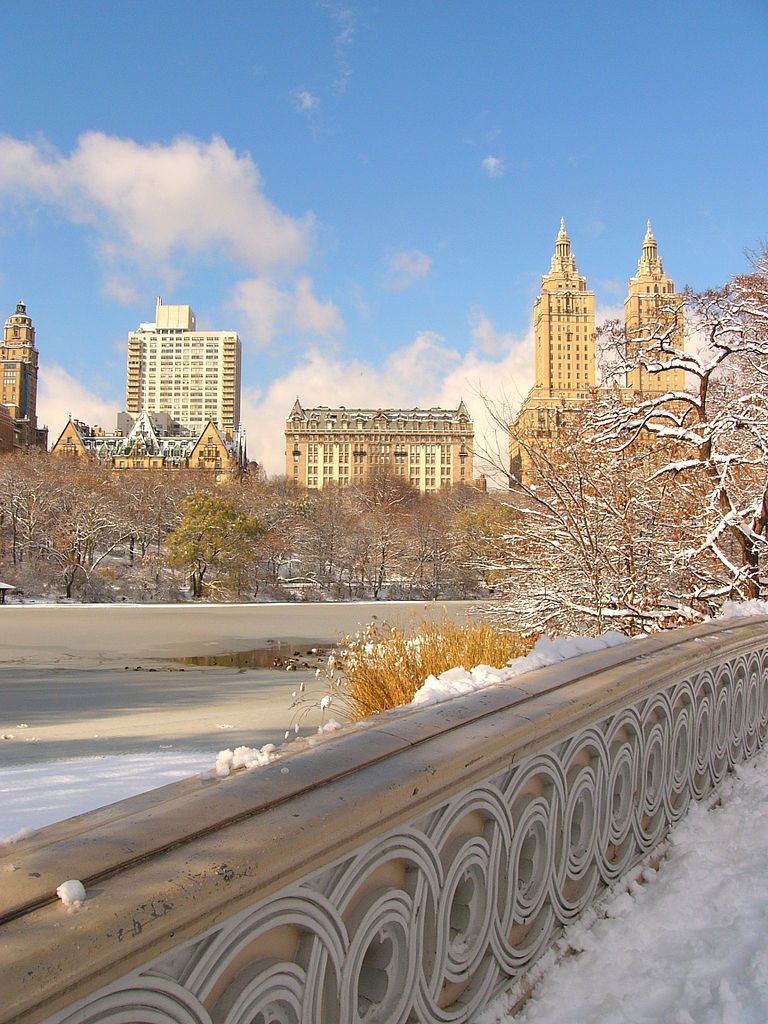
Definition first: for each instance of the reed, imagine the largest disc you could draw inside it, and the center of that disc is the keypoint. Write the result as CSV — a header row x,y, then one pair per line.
x,y
383,668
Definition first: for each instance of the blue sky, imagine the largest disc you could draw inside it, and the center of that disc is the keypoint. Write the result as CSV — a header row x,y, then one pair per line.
x,y
368,192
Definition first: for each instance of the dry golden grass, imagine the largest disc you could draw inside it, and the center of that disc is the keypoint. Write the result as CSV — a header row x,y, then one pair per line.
x,y
383,668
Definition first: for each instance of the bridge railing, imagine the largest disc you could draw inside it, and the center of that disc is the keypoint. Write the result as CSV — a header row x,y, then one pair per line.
x,y
407,870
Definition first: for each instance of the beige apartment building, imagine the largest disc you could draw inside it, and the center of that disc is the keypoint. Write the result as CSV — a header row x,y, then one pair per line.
x,y
564,343
564,327
651,307
564,354
429,448
19,362
193,376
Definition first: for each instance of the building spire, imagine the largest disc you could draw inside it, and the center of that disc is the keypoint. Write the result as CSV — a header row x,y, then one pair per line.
x,y
650,252
562,242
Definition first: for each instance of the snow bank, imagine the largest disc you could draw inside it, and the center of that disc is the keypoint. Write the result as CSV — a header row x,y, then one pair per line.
x,y
253,757
245,757
742,609
458,681
71,893
23,833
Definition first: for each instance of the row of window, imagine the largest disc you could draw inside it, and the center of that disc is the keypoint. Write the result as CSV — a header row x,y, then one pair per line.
x,y
317,426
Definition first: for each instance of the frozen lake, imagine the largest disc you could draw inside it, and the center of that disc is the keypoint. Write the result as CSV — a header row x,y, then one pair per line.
x,y
89,680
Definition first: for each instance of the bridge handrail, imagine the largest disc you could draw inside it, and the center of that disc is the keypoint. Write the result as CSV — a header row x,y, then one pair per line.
x,y
415,863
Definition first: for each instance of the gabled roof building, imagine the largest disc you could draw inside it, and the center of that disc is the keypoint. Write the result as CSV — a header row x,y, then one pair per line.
x,y
145,448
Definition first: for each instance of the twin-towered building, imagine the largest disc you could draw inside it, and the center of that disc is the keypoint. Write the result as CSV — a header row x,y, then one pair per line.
x,y
564,345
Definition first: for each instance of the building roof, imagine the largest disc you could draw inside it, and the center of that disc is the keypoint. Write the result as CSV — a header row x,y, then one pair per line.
x,y
143,440
325,412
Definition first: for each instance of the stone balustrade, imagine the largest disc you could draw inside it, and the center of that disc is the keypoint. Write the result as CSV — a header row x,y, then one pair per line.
x,y
405,870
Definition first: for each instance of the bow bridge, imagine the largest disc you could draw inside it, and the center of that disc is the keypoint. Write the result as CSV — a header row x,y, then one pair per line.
x,y
405,871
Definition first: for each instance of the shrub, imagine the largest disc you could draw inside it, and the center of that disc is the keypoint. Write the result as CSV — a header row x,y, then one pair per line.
x,y
383,668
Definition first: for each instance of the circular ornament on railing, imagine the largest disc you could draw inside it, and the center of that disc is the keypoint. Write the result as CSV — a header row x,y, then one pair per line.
x,y
465,912
738,712
654,772
752,725
265,992
140,1000
321,939
536,795
681,768
760,661
585,764
617,844
379,975
705,695
721,728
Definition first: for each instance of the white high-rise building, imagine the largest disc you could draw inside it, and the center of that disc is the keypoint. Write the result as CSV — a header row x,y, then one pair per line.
x,y
192,375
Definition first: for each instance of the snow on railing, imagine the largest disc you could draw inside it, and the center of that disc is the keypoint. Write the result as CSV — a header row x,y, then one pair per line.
x,y
408,869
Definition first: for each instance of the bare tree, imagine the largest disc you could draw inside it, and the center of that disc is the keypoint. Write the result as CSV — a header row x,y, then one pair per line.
x,y
718,430
381,504
593,544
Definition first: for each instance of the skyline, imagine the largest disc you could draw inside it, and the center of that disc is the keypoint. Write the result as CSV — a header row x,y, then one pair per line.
x,y
369,195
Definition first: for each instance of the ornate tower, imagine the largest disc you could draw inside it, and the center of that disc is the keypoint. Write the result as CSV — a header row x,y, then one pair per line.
x,y
564,342
564,327
652,308
19,360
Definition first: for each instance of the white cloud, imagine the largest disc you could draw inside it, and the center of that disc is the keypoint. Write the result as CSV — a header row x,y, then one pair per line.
x,y
121,288
425,372
346,21
406,268
262,304
269,310
613,286
493,166
60,394
154,207
312,315
305,102
608,312
486,337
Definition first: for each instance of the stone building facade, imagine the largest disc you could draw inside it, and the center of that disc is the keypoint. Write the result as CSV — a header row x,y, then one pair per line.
x,y
19,362
429,448
7,432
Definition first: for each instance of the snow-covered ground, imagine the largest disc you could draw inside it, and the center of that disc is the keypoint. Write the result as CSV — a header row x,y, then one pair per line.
x,y
690,944
34,795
